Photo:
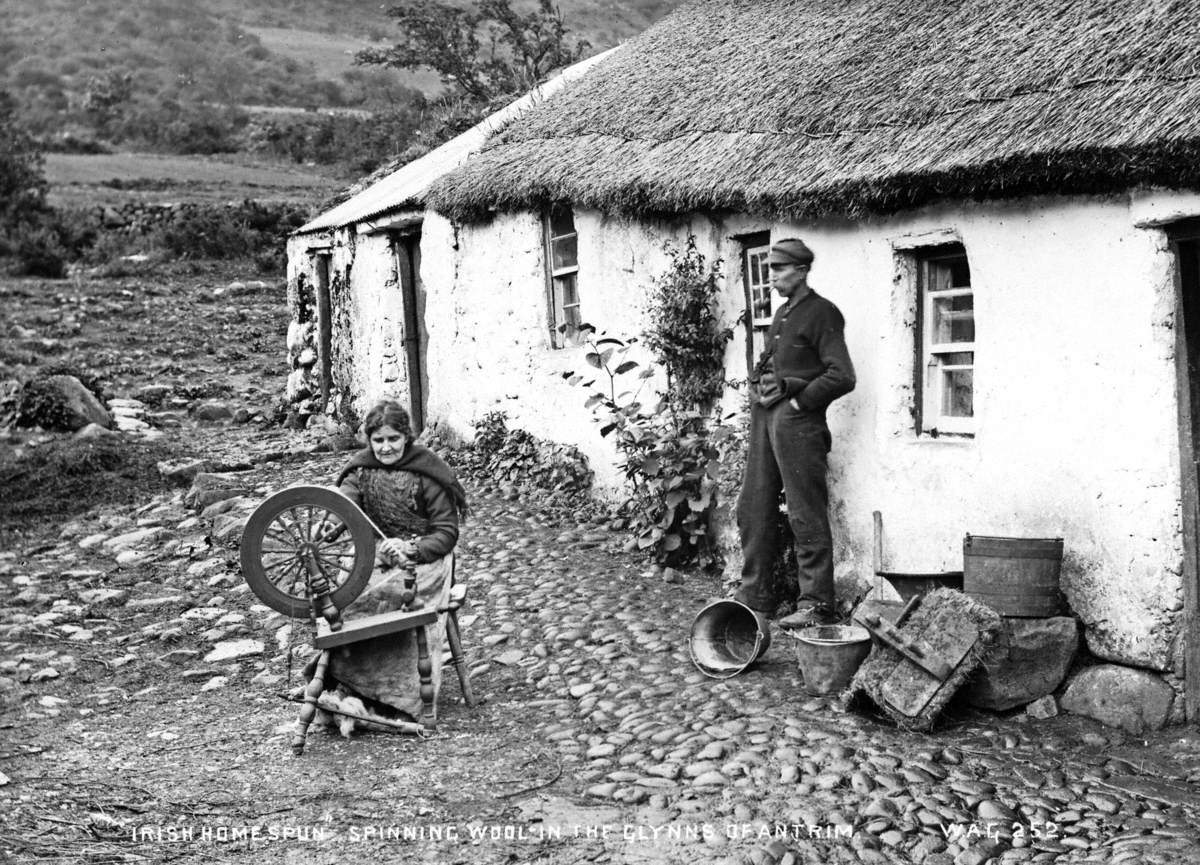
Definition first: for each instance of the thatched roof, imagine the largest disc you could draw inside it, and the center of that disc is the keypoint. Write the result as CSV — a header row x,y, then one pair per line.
x,y
406,186
806,108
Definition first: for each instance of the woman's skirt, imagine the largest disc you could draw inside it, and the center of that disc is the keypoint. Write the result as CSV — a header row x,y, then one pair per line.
x,y
385,668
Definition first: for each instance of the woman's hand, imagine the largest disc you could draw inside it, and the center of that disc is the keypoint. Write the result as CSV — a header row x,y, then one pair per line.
x,y
397,552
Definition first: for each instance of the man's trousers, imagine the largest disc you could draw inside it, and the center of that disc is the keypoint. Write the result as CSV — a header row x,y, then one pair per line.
x,y
788,452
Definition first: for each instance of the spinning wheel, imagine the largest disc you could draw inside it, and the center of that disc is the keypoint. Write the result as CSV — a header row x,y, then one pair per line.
x,y
308,545
310,550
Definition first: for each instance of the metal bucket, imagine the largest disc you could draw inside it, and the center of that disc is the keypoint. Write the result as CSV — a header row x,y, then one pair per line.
x,y
727,637
829,655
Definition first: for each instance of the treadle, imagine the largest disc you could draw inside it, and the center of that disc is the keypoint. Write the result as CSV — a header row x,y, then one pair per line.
x,y
372,626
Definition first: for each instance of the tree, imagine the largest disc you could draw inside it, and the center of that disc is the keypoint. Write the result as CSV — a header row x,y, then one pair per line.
x,y
485,54
30,231
105,98
22,184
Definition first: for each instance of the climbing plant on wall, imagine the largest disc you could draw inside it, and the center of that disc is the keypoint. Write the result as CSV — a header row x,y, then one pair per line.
x,y
668,447
683,329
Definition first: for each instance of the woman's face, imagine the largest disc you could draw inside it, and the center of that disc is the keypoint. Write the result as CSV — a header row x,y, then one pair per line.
x,y
387,444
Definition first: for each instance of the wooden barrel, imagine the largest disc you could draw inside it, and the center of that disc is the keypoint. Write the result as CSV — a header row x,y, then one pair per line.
x,y
1014,576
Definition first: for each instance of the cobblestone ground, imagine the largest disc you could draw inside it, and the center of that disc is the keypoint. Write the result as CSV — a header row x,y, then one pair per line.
x,y
698,769
597,741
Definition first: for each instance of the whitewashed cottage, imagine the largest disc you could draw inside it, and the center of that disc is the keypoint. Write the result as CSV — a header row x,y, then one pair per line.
x,y
1002,198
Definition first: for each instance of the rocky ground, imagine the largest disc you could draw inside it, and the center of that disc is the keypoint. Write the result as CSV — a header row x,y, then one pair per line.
x,y
143,686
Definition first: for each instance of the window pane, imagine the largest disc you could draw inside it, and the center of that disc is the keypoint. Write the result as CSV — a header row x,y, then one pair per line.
x,y
948,272
957,358
571,317
568,290
958,393
759,283
960,273
762,303
565,252
954,319
562,221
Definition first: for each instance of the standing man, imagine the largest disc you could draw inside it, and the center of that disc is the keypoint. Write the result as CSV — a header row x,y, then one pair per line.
x,y
803,368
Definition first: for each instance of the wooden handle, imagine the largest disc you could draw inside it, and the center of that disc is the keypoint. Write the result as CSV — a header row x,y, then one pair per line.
x,y
912,649
877,548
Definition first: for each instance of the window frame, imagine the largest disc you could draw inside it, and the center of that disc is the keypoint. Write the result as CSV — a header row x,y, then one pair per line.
x,y
929,367
556,279
752,245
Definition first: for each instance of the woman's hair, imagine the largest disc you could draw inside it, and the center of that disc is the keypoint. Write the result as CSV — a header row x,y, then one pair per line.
x,y
388,412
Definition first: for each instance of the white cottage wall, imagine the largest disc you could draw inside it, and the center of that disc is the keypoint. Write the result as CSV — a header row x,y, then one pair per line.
x,y
1074,387
367,321
1074,397
376,324
488,320
1074,382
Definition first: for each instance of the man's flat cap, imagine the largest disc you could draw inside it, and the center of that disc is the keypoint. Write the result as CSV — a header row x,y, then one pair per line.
x,y
790,251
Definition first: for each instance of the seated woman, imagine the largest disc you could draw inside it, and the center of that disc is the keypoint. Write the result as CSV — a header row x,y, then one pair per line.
x,y
415,499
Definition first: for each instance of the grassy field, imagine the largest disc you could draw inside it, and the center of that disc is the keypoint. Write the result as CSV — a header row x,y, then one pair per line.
x,y
107,179
332,54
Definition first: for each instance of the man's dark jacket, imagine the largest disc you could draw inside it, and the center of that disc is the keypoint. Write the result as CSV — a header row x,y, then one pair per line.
x,y
807,346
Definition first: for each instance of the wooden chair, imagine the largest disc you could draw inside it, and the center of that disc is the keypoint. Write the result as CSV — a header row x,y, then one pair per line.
x,y
380,625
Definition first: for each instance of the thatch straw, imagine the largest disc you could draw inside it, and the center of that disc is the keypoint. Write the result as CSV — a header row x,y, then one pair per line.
x,y
927,622
806,108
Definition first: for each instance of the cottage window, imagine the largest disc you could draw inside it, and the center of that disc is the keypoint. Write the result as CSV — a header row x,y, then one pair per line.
x,y
756,281
946,373
562,265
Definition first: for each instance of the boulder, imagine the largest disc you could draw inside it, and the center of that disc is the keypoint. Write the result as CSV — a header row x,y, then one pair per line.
x,y
1134,700
209,487
103,597
1042,708
1029,660
138,538
213,412
94,431
154,394
228,529
224,506
62,402
234,650
182,472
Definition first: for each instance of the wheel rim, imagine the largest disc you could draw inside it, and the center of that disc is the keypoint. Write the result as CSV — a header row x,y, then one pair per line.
x,y
283,538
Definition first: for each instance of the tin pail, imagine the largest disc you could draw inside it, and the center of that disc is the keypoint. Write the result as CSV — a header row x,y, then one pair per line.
x,y
727,637
829,655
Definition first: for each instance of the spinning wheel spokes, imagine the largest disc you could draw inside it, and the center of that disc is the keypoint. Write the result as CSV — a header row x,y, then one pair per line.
x,y
301,535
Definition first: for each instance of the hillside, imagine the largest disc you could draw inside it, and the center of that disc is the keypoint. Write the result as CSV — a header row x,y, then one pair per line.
x,y
70,62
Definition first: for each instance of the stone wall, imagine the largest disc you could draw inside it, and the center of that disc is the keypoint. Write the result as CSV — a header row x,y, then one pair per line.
x,y
140,218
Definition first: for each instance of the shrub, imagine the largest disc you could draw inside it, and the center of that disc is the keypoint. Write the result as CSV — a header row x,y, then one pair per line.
x,y
684,332
670,452
224,231
37,250
668,457
202,232
528,461
490,433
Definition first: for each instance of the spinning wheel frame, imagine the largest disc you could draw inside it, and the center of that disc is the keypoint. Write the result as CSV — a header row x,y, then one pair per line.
x,y
283,544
